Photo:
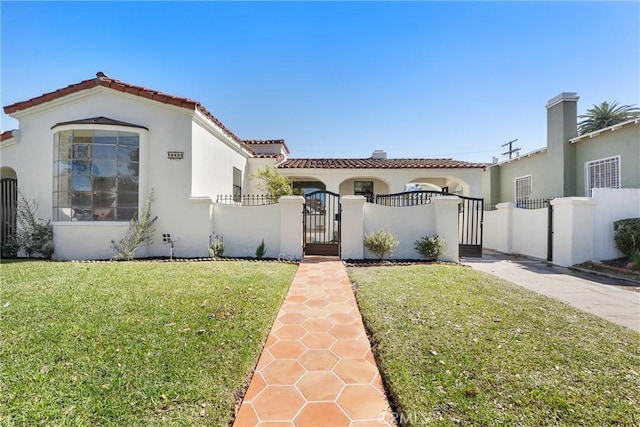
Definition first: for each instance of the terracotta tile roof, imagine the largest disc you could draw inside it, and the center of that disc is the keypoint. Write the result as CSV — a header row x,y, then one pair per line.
x,y
99,121
266,142
8,134
107,82
378,164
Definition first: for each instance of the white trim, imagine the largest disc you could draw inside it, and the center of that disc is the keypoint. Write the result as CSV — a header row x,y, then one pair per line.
x,y
608,129
529,154
564,96
8,143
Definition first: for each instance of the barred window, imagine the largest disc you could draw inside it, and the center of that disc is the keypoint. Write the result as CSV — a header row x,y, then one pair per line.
x,y
95,175
603,173
523,189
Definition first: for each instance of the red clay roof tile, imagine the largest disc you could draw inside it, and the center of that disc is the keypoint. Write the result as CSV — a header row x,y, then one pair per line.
x,y
378,164
8,134
107,82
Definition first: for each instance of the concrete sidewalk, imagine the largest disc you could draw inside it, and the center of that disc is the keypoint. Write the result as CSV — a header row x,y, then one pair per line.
x,y
614,300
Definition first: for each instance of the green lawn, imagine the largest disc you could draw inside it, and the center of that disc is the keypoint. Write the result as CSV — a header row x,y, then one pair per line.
x,y
461,347
135,344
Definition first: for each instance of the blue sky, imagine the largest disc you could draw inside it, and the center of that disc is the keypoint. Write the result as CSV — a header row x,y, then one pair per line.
x,y
338,79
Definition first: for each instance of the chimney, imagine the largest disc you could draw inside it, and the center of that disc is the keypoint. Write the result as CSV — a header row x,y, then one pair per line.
x,y
562,125
379,154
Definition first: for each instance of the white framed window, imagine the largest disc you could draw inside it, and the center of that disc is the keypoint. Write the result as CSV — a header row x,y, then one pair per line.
x,y
524,185
602,173
237,185
95,175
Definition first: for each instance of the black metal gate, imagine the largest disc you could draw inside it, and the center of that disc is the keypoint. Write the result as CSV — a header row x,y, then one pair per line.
x,y
8,209
322,223
470,217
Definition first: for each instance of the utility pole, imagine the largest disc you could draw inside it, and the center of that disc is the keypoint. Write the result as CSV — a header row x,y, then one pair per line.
x,y
511,150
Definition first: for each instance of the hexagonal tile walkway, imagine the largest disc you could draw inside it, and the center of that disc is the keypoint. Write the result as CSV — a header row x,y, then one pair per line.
x,y
316,368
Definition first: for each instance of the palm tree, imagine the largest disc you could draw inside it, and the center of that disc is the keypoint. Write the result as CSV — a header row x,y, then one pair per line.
x,y
604,115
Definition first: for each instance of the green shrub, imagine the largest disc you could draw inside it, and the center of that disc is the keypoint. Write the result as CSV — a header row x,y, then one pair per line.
x,y
139,234
627,235
261,250
216,245
34,237
431,247
381,243
635,260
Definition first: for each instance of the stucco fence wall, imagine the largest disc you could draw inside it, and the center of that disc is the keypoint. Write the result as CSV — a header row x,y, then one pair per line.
x,y
280,225
582,227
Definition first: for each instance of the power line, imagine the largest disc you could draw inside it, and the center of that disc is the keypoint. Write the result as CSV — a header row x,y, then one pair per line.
x,y
511,150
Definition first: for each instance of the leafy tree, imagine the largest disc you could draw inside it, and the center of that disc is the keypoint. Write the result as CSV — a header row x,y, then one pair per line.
x,y
139,234
604,115
272,183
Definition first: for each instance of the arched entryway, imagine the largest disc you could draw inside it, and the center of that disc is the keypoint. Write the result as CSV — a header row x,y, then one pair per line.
x,y
8,202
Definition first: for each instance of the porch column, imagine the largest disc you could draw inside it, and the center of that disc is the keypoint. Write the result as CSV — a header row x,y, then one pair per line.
x,y
446,209
291,225
352,227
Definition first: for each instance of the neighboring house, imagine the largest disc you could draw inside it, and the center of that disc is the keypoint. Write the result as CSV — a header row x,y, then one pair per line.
x,y
91,153
570,165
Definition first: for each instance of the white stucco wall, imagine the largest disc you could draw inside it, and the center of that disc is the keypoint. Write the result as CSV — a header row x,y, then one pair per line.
x,y
244,227
407,223
179,185
530,232
214,158
573,230
612,205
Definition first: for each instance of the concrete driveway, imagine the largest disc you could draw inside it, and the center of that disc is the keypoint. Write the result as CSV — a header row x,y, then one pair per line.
x,y
614,300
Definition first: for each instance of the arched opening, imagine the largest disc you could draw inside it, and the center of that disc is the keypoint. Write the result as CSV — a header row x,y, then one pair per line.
x,y
9,203
304,187
449,184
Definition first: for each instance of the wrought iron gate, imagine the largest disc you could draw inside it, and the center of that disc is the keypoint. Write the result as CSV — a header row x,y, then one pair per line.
x,y
8,211
322,223
470,217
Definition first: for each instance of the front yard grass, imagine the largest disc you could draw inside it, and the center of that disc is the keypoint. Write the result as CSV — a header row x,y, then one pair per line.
x,y
459,347
135,344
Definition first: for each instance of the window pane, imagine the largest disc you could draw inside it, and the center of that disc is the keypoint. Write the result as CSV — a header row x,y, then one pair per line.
x,y
81,199
105,137
104,168
80,167
64,167
102,214
103,199
63,214
81,151
125,214
63,199
128,154
81,183
104,184
127,138
128,184
127,169
127,200
107,152
64,151
81,214
64,183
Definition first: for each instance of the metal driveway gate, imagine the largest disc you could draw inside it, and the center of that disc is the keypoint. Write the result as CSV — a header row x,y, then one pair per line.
x,y
322,223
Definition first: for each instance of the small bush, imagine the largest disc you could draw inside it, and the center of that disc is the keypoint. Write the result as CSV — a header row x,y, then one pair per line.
x,y
381,243
139,234
626,233
216,245
261,250
635,261
34,237
431,247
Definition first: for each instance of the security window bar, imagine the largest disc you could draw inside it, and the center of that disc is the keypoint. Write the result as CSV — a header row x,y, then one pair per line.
x,y
602,173
523,189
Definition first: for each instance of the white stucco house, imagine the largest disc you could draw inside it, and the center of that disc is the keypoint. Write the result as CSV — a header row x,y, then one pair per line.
x,y
90,154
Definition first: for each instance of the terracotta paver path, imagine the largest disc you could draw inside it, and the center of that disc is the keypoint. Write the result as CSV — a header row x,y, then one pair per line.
x,y
316,368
